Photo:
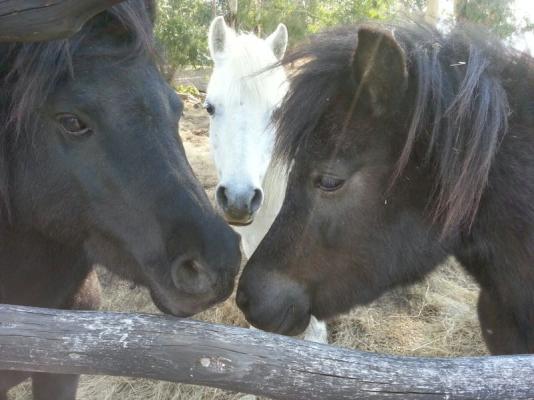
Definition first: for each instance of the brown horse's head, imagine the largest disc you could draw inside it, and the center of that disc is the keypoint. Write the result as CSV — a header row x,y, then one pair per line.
x,y
368,125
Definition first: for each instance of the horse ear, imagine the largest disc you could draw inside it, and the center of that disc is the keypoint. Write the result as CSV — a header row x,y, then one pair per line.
x,y
218,37
379,67
277,41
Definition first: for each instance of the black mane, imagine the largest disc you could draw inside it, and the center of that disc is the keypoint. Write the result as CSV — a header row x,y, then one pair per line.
x,y
459,109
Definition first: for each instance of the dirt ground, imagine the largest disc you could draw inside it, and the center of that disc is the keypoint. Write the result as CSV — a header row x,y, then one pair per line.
x,y
436,317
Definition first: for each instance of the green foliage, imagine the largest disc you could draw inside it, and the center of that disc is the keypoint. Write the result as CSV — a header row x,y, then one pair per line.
x,y
496,15
183,24
349,11
264,16
303,17
181,29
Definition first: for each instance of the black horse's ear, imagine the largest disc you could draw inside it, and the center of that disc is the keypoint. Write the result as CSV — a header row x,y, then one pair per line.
x,y
129,22
379,69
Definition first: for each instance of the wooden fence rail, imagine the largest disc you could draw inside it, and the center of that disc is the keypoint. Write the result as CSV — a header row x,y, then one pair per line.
x,y
187,351
32,20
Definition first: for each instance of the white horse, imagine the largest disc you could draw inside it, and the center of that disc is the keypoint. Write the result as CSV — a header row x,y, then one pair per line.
x,y
242,94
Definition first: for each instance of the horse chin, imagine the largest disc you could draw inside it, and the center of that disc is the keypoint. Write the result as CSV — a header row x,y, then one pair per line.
x,y
160,304
240,223
185,307
288,325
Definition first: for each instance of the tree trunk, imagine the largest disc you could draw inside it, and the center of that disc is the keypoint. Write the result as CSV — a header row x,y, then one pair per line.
x,y
213,8
432,12
244,360
259,10
232,18
34,20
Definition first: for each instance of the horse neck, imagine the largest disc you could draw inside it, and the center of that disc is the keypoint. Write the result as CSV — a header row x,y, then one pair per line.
x,y
37,271
274,187
275,180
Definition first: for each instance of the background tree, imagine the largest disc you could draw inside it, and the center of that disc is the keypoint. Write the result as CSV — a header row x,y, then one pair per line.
x,y
496,15
183,24
182,29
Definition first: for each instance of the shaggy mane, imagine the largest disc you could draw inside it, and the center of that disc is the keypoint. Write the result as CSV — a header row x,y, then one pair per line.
x,y
252,68
459,113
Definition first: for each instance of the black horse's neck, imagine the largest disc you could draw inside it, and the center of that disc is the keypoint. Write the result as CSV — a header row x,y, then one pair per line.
x,y
37,271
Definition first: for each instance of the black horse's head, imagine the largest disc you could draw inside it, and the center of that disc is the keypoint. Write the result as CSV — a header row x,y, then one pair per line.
x,y
92,160
392,146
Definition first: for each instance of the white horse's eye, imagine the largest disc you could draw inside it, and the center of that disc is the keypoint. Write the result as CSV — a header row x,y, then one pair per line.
x,y
210,108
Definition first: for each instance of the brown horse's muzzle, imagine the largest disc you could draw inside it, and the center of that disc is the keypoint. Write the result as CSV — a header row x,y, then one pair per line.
x,y
273,302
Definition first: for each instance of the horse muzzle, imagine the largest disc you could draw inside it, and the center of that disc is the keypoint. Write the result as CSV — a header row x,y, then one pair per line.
x,y
274,304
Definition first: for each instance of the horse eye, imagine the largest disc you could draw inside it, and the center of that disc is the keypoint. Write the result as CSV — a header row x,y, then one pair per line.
x,y
210,108
329,183
72,125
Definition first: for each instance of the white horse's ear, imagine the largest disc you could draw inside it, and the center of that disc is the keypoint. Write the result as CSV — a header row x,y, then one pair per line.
x,y
277,41
218,36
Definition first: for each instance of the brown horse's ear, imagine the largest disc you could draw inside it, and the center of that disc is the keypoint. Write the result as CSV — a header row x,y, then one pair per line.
x,y
379,69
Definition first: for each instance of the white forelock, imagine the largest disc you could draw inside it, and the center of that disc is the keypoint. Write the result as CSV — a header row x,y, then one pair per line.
x,y
245,71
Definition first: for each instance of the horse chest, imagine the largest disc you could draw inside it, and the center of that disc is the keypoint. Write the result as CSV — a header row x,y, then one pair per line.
x,y
36,273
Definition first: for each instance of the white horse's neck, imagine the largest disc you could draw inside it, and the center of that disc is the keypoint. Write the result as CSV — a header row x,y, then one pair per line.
x,y
274,184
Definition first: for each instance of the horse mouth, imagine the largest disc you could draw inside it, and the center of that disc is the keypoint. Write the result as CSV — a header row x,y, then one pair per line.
x,y
240,223
237,221
187,307
160,305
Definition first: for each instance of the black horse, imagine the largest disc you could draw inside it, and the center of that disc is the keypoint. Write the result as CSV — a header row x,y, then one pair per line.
x,y
408,146
92,171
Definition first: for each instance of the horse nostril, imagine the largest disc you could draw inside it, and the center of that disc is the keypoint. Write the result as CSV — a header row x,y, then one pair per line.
x,y
256,201
222,197
189,276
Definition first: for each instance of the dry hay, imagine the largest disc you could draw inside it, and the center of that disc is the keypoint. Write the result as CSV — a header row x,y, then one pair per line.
x,y
436,317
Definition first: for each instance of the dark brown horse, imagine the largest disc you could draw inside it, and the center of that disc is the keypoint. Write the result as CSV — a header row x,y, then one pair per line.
x,y
92,171
408,146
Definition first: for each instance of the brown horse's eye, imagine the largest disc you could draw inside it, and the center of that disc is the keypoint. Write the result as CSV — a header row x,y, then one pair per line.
x,y
329,183
72,125
210,108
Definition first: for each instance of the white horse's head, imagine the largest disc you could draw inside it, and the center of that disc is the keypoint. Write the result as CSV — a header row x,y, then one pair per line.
x,y
242,94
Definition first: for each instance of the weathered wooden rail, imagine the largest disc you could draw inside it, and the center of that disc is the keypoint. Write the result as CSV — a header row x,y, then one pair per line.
x,y
33,20
187,351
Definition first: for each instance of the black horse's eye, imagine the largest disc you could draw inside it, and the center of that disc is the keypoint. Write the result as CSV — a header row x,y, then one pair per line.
x,y
329,183
72,125
210,108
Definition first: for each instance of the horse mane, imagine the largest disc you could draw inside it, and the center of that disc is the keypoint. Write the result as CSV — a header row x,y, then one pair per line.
x,y
459,107
29,72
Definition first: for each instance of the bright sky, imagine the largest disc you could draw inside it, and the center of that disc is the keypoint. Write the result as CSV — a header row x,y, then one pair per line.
x,y
523,8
